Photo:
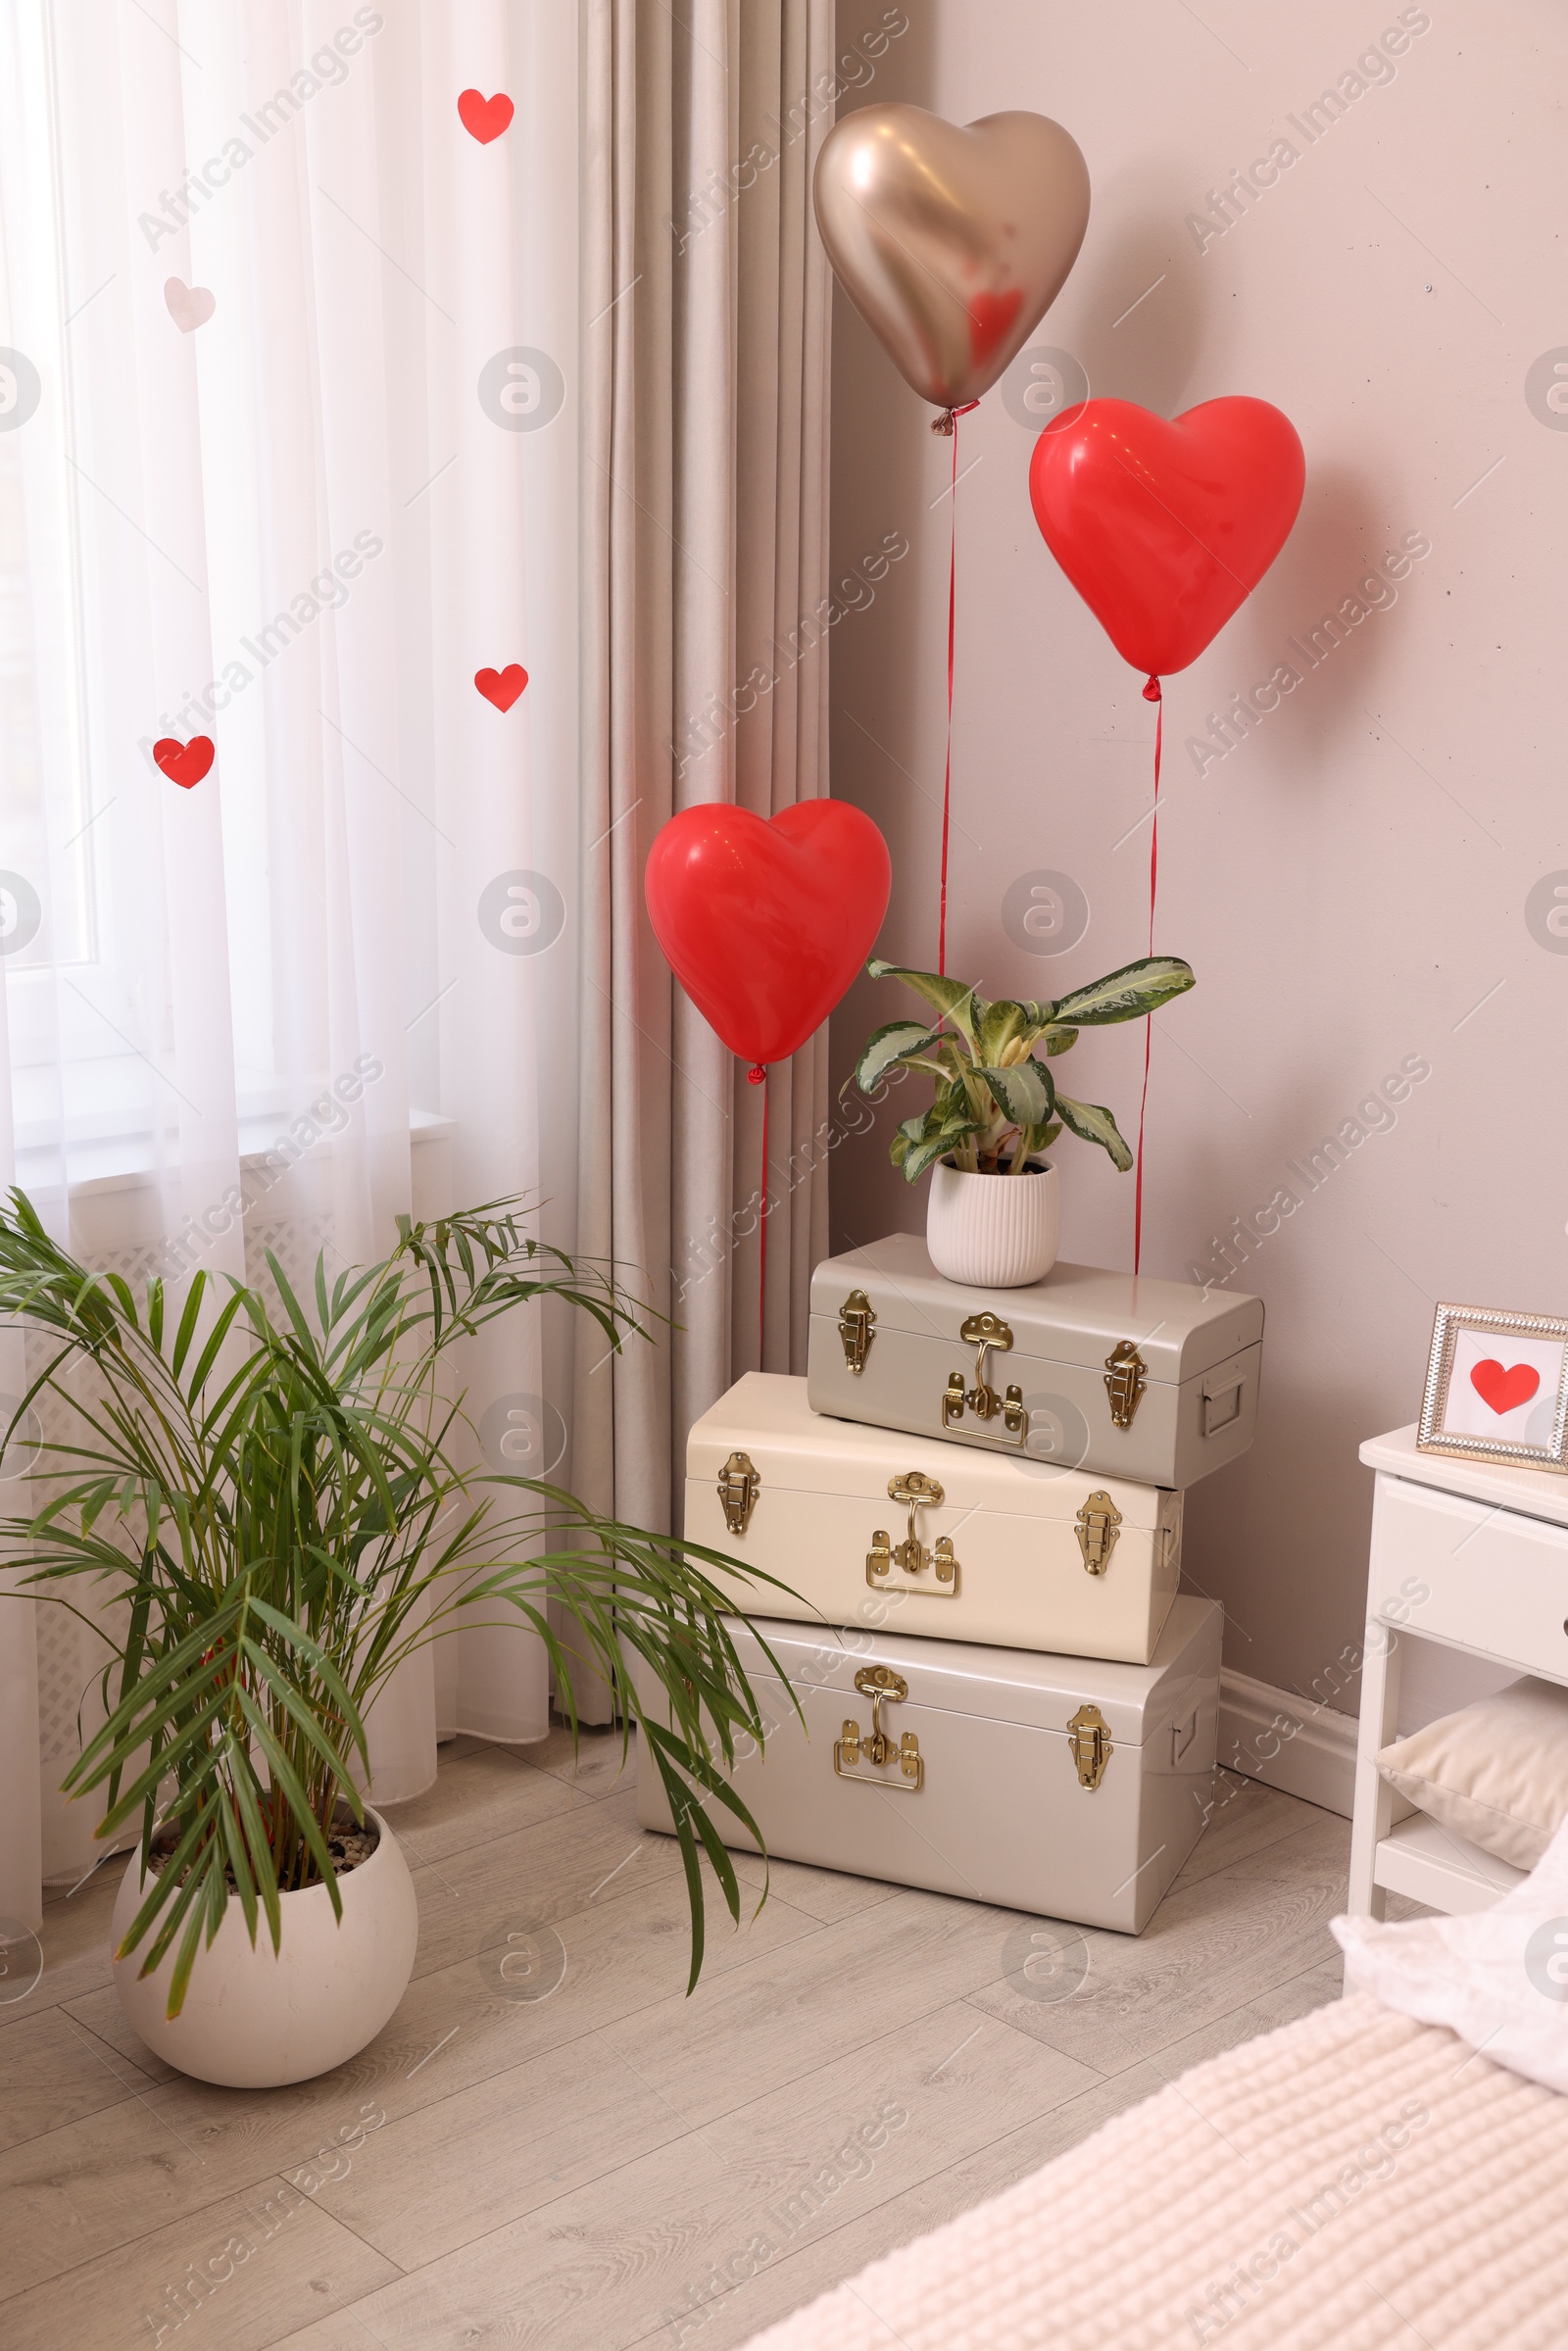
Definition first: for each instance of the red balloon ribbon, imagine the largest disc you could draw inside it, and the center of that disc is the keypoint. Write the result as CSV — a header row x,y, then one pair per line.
x,y
948,423
757,1075
1151,693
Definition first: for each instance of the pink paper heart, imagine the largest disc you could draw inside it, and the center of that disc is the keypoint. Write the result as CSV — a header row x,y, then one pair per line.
x,y
189,307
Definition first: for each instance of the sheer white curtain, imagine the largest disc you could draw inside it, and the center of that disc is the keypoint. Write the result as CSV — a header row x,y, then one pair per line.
x,y
288,444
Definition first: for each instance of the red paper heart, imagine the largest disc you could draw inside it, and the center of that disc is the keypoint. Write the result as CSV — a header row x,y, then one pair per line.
x,y
765,924
1165,528
501,686
185,763
484,119
1502,1390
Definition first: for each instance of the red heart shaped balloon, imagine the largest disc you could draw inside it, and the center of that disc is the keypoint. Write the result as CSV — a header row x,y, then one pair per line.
x,y
1165,528
765,924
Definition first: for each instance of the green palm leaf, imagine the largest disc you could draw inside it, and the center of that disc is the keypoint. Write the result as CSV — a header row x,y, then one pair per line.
x,y
287,1530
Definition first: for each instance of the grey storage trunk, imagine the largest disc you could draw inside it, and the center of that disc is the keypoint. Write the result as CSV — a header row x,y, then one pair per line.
x,y
1152,1380
1060,1786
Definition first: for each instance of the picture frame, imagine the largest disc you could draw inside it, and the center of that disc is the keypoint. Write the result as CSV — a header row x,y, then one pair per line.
x,y
1505,1402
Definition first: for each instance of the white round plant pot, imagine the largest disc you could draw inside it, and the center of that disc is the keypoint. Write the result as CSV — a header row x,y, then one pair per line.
x,y
255,2019
996,1231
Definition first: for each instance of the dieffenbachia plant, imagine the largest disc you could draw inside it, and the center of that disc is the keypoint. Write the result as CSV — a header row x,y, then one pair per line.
x,y
997,1102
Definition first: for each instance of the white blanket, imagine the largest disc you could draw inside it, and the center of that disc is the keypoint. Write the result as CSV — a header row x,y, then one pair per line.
x,y
1498,1978
1357,2181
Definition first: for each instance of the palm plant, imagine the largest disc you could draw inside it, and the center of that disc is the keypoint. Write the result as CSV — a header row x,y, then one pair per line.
x,y
995,1102
278,1504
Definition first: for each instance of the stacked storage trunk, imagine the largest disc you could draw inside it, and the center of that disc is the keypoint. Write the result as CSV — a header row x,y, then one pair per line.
x,y
973,1503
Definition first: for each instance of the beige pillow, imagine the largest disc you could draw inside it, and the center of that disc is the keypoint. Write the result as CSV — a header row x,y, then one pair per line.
x,y
1495,1772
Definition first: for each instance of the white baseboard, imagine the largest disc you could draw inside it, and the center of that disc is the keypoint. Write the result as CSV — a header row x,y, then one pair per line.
x,y
1267,1734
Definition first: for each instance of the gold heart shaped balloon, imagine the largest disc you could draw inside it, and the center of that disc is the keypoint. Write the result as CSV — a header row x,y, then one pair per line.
x,y
951,241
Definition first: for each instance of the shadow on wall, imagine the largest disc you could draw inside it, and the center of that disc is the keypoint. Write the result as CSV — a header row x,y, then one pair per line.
x,y
1143,302
1325,613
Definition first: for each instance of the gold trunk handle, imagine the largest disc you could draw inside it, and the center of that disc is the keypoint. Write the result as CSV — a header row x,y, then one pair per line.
x,y
983,1332
913,1489
877,1747
877,1682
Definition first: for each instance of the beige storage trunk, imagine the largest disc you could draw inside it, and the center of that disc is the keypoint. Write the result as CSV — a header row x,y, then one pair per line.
x,y
1154,1381
872,1528
1058,1786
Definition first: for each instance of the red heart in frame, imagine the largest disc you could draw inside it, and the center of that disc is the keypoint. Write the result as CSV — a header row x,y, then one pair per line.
x,y
501,686
185,763
484,119
1165,528
765,924
1503,1389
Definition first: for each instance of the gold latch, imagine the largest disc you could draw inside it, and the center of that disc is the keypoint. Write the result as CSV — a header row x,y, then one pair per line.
x,y
1126,1378
983,1332
877,1746
912,1555
856,1329
1098,1521
739,1485
1089,1737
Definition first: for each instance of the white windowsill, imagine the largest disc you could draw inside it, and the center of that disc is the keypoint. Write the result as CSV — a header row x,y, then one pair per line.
x,y
114,1164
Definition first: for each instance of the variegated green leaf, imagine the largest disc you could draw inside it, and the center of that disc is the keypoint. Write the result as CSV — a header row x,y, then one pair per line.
x,y
1092,1124
1056,1039
921,1155
888,1047
1128,994
1025,1092
957,1002
1003,1020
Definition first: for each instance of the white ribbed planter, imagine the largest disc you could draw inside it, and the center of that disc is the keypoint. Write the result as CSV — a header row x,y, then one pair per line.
x,y
997,1230
254,2018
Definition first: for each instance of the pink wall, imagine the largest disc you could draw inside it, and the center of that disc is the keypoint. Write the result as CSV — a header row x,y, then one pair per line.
x,y
1352,882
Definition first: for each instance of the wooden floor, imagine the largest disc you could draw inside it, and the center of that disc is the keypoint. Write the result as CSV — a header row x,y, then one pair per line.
x,y
587,2168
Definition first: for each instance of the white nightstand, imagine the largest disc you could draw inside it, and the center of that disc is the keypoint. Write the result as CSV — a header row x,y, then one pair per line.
x,y
1476,1556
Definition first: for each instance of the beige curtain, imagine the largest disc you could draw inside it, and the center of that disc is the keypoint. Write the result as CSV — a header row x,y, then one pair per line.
x,y
706,303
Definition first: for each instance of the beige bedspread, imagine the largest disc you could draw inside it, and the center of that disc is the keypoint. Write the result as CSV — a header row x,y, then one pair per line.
x,y
1357,2181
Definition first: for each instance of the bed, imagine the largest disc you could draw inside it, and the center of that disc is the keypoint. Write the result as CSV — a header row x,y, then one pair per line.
x,y
1367,2178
